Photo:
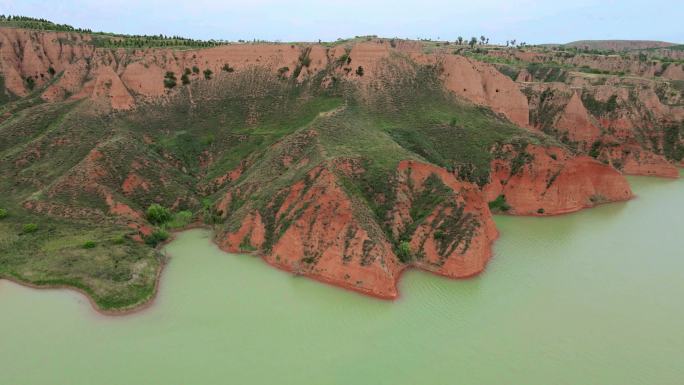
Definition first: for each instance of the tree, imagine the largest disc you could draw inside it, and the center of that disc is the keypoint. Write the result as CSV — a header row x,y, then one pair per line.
x,y
158,214
460,40
473,41
208,73
482,39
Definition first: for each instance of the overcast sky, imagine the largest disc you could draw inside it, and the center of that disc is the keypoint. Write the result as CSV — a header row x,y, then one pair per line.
x,y
292,20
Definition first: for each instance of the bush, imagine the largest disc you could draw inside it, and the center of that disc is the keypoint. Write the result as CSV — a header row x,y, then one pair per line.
x,y
3,213
208,73
359,71
30,228
89,245
185,79
169,80
404,252
158,236
499,204
30,83
180,219
195,69
158,214
227,68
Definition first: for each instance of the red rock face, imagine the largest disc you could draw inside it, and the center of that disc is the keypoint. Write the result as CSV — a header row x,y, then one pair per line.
x,y
443,256
625,128
548,186
576,121
634,160
328,239
323,239
482,84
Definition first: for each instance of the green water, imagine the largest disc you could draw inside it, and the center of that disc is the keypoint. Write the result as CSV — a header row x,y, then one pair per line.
x,y
595,297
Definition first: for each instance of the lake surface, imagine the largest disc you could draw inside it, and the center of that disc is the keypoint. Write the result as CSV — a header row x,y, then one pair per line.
x,y
595,297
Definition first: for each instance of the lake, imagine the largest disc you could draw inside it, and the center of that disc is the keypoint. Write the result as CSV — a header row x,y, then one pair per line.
x,y
595,297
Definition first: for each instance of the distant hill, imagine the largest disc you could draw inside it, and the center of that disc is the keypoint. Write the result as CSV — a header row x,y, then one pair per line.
x,y
619,45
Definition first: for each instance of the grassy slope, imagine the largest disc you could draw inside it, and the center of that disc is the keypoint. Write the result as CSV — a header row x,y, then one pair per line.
x,y
250,118
407,116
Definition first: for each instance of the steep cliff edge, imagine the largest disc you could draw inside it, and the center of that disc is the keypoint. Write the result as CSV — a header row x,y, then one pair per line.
x,y
317,229
551,181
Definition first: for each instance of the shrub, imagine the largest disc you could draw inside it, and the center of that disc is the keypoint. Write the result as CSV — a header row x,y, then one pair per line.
x,y
180,219
208,73
595,150
30,83
185,79
228,68
282,71
51,71
120,240
499,204
3,213
540,211
30,228
158,214
195,69
404,252
187,71
169,80
359,71
89,245
158,236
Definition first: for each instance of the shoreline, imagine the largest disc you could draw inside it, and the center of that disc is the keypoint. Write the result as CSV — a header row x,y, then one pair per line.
x,y
147,303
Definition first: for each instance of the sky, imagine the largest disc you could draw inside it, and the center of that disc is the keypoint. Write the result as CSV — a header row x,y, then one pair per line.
x,y
531,21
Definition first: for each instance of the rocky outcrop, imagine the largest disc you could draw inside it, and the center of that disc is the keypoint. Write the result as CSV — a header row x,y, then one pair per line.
x,y
548,181
315,228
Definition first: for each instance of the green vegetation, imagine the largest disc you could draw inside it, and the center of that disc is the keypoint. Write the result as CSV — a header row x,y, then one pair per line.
x,y
180,220
404,252
158,214
185,79
170,79
29,228
207,73
3,213
89,245
673,148
599,108
499,204
156,237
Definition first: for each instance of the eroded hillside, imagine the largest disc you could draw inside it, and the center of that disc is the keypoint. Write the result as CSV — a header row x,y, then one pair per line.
x,y
346,162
